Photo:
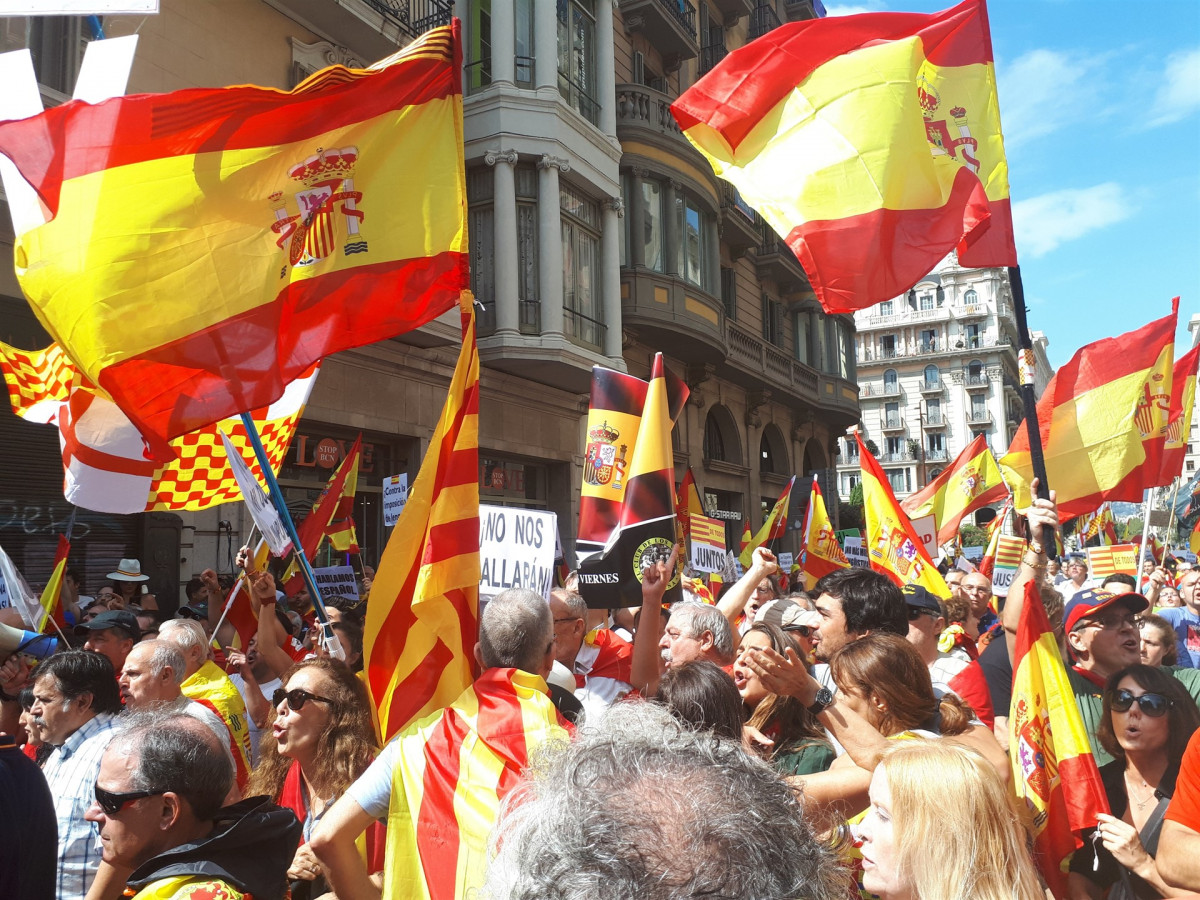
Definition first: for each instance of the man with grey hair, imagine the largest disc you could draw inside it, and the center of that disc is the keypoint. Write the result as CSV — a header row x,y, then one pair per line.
x,y
638,806
600,660
163,830
462,758
696,631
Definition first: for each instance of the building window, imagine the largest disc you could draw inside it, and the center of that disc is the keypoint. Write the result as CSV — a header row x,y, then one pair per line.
x,y
766,456
851,449
480,185
694,224
729,292
479,45
970,297
885,308
527,252
933,412
935,443
523,61
891,382
845,346
772,313
802,337
577,56
56,44
581,268
714,443
849,483
978,406
931,376
894,447
887,346
928,341
927,301
899,479
972,336
891,415
652,225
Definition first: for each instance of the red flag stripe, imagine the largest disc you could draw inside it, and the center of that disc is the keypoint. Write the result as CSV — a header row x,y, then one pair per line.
x,y
438,841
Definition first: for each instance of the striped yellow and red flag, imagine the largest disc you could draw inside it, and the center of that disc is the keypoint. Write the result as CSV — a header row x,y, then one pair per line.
x,y
773,528
1118,558
871,143
341,529
1183,404
454,769
52,594
987,564
423,618
893,547
224,240
820,553
1054,771
1102,416
970,482
687,503
337,496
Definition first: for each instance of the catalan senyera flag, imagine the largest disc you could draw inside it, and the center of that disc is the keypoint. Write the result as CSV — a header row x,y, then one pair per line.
x,y
52,593
646,532
871,143
1054,771
224,240
104,456
1119,558
1183,404
687,503
820,553
1101,417
423,618
987,565
454,769
892,545
970,482
773,528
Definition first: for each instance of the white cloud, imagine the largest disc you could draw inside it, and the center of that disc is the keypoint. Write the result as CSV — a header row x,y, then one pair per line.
x,y
1044,90
1042,223
1179,94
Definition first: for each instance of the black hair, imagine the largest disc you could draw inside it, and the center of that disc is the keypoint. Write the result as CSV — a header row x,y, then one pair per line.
x,y
194,586
701,695
25,697
79,672
870,601
349,607
1121,578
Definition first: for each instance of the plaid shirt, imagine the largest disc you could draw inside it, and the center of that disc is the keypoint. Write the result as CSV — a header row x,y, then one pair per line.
x,y
71,771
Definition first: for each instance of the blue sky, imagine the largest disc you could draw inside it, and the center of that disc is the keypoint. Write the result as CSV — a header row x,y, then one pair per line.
x,y
1100,102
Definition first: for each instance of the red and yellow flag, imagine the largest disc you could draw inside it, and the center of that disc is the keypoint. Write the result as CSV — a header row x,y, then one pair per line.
x,y
322,521
970,482
52,593
1101,418
687,503
871,143
987,565
772,529
423,618
820,553
893,547
1054,771
1183,404
224,240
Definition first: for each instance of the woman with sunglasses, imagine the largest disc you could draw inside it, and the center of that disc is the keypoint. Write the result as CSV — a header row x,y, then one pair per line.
x,y
1147,719
319,739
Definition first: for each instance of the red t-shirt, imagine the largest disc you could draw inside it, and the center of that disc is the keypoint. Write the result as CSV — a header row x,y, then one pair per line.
x,y
1185,804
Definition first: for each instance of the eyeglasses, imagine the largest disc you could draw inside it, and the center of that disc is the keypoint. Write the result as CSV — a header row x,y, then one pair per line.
x,y
1153,705
802,630
296,698
1112,623
569,619
915,612
112,803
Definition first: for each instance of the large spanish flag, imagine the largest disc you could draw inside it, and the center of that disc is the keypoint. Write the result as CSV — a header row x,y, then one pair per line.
x,y
970,482
1183,404
773,528
221,241
820,553
423,618
872,143
893,547
1054,771
1103,421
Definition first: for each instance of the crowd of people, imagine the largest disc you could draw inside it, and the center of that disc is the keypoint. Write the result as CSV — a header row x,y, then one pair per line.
x,y
769,742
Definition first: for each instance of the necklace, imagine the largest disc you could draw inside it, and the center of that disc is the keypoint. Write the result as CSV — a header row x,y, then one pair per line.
x,y
1141,804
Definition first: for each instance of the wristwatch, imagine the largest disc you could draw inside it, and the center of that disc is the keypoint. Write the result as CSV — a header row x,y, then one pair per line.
x,y
823,701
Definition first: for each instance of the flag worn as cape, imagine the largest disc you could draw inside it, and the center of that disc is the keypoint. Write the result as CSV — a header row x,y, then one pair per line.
x,y
871,143
773,528
1101,417
423,618
820,553
970,482
222,240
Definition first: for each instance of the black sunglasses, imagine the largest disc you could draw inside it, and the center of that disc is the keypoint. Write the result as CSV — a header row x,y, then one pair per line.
x,y
802,630
915,612
1153,705
296,698
112,803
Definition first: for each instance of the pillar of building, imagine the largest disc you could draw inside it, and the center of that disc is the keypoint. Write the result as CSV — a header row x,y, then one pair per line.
x,y
606,78
504,42
610,284
550,251
545,43
504,228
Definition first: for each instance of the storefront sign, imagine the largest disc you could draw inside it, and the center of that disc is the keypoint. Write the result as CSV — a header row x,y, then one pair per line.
x,y
395,495
497,476
262,511
856,553
516,549
314,452
336,581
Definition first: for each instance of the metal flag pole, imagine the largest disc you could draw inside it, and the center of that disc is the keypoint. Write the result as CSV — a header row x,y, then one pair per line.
x,y
1148,495
328,638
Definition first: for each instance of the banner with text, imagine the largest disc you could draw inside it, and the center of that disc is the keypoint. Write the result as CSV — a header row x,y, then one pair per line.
x,y
856,553
337,581
708,543
395,495
516,549
1105,561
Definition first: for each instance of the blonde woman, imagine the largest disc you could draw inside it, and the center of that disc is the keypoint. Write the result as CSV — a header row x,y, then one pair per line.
x,y
942,791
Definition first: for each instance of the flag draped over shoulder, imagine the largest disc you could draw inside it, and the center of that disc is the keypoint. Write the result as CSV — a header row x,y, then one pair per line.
x,y
970,482
1054,771
1183,405
1103,420
423,618
773,528
893,547
105,463
871,143
820,553
223,240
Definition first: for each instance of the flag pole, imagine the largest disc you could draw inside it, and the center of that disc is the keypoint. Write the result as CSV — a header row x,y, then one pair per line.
x,y
1028,370
328,638
1148,494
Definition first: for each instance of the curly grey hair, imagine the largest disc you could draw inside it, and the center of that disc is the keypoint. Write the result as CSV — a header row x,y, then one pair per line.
x,y
695,618
641,806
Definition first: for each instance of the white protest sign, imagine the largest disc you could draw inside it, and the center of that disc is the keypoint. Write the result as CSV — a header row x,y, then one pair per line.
x,y
336,581
262,511
395,495
926,529
516,549
856,553
785,562
708,543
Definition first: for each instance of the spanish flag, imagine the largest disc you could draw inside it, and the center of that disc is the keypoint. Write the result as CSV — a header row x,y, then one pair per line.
x,y
338,496
1103,418
205,247
871,143
52,593
1054,771
893,548
773,528
423,618
970,482
1183,404
820,554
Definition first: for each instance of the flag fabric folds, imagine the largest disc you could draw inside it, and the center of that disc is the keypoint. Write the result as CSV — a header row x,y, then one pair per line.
x,y
1103,420
687,503
104,456
52,593
820,553
337,498
871,143
423,618
1054,771
893,547
773,528
987,565
226,239
1183,405
970,482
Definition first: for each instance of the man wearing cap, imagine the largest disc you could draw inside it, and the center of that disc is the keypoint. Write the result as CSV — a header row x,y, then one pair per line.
x,y
600,660
111,634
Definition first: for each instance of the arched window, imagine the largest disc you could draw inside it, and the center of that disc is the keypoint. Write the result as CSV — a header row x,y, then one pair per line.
x,y
722,441
970,297
931,375
772,452
714,443
890,382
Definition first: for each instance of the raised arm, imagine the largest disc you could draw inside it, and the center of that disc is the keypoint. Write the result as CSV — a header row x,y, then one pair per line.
x,y
1041,514
734,600
270,633
646,665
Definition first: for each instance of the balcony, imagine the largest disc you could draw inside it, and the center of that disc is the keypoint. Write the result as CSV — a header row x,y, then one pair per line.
x,y
935,420
879,390
971,311
669,25
798,10
740,225
976,382
777,263
762,20
710,55
936,456
644,114
937,386
899,456
979,417
370,29
893,423
934,351
667,311
733,10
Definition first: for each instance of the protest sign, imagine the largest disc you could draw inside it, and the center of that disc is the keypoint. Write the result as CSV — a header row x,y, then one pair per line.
x,y
785,562
708,544
926,529
516,549
337,581
262,511
1105,561
856,553
1009,549
395,495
